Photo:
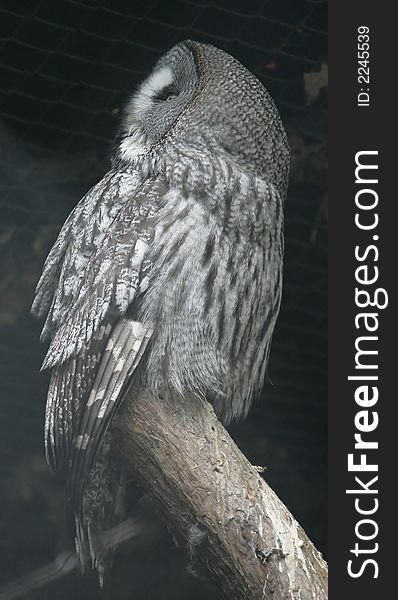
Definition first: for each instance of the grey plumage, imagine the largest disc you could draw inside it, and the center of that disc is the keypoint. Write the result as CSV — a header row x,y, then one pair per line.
x,y
168,272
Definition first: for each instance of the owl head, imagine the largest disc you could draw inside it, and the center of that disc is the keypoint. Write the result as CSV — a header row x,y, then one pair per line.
x,y
198,90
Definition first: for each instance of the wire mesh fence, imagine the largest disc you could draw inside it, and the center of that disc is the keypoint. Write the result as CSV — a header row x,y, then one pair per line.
x,y
66,68
67,65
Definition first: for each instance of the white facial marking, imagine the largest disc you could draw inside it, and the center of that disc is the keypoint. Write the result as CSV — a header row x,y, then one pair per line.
x,y
150,88
135,143
145,94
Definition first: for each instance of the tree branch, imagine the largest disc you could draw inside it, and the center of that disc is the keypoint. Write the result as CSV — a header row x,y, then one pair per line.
x,y
215,502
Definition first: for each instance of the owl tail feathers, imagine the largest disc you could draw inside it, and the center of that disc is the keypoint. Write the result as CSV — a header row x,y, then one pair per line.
x,y
97,521
91,552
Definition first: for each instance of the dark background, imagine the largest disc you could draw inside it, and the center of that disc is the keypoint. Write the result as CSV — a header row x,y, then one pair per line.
x,y
66,68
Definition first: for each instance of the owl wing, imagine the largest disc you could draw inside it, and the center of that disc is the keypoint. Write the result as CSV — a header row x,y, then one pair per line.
x,y
123,351
94,267
89,281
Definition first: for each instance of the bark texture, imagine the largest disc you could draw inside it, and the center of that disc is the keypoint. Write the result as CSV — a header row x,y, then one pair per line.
x,y
215,502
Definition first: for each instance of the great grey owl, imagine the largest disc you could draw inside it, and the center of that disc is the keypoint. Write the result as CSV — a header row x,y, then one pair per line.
x,y
168,272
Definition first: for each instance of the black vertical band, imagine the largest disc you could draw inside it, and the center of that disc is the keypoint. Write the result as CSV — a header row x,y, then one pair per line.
x,y
363,326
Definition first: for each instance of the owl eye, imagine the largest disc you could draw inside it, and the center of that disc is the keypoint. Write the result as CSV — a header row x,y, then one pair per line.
x,y
166,94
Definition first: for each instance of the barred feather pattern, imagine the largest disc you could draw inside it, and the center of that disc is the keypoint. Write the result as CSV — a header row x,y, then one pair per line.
x,y
88,284
168,273
199,241
217,268
106,235
96,485
69,386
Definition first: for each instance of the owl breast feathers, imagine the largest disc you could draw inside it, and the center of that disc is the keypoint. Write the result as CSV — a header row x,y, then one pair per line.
x,y
167,273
